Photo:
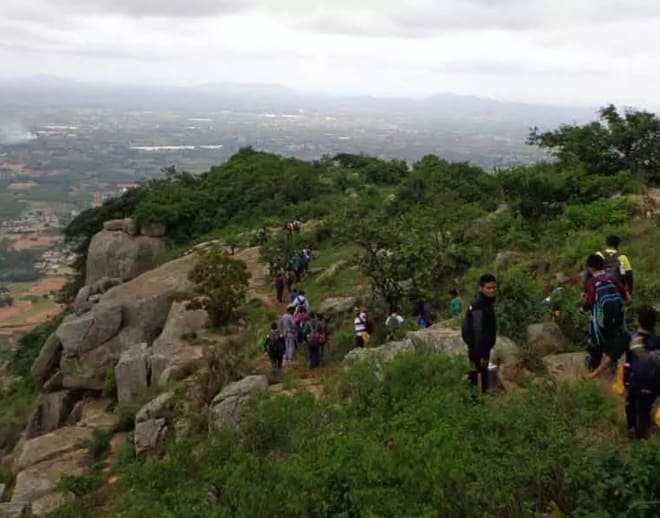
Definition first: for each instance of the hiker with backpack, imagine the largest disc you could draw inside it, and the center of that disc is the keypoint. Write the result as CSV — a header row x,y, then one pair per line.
x,y
605,296
314,333
279,287
290,331
479,331
393,324
424,313
275,346
617,263
641,373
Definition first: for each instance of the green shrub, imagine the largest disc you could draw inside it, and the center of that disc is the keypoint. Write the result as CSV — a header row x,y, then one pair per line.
x,y
99,443
405,440
220,285
79,485
519,302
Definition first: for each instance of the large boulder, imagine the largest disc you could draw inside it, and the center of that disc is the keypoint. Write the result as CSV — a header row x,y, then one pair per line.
x,y
331,271
51,412
82,304
567,367
119,255
102,285
49,358
130,313
331,306
173,357
439,338
114,225
91,369
153,229
15,510
149,436
132,372
36,484
546,338
159,407
445,340
51,445
227,406
384,353
80,334
93,413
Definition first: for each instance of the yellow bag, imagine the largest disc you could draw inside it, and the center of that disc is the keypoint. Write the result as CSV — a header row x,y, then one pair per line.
x,y
366,338
618,387
656,417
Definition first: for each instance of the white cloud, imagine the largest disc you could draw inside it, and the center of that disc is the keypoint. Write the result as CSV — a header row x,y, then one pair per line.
x,y
581,50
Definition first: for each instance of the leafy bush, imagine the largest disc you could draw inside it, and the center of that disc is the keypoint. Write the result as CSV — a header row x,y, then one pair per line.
x,y
220,285
79,485
519,302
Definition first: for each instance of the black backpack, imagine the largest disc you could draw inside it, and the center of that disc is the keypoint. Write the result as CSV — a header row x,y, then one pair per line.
x,y
275,343
643,367
612,263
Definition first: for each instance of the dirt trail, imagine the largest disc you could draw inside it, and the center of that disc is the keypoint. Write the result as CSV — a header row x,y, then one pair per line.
x,y
298,376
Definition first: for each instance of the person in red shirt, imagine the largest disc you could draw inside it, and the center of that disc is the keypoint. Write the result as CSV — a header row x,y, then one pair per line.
x,y
604,296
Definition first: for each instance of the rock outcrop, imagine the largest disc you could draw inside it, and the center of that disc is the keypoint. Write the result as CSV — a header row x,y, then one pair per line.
x,y
173,357
36,483
132,372
131,313
47,361
567,367
332,306
151,425
546,338
226,407
332,271
116,254
16,510
441,339
51,412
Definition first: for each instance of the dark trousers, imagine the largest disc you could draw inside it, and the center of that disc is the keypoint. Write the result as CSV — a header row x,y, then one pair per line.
x,y
595,353
314,352
638,412
359,341
479,370
280,293
276,359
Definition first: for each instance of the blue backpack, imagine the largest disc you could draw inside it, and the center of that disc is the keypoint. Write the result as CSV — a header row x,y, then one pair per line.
x,y
608,311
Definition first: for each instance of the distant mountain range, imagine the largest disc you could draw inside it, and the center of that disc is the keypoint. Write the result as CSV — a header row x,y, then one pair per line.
x,y
48,90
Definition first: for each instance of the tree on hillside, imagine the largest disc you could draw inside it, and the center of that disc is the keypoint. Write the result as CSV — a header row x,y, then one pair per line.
x,y
616,142
220,285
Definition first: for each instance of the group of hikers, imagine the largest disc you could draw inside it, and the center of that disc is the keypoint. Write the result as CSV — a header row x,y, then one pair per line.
x,y
293,227
607,287
297,326
607,283
295,271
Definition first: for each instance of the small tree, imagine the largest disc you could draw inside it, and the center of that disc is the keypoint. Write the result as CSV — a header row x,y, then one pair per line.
x,y
221,284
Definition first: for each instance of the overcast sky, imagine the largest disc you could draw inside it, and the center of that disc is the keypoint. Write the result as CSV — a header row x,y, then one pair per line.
x,y
573,51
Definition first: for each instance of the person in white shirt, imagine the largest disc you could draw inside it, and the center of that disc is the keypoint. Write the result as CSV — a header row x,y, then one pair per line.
x,y
361,324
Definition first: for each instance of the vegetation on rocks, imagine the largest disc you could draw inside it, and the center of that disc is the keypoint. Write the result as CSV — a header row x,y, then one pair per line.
x,y
407,439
